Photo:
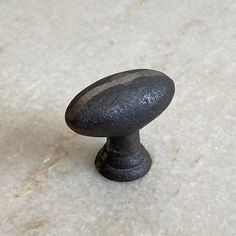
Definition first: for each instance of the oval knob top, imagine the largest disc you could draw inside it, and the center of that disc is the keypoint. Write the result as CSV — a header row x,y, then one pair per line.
x,y
120,104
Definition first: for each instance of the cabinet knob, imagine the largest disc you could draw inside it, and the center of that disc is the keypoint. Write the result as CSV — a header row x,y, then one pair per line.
x,y
117,107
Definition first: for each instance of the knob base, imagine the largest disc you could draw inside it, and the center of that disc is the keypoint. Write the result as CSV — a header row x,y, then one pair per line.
x,y
123,167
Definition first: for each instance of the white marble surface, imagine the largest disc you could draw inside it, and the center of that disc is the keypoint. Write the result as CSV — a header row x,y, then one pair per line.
x,y
50,50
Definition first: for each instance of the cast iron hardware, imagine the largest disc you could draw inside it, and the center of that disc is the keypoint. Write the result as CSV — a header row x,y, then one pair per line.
x,y
117,107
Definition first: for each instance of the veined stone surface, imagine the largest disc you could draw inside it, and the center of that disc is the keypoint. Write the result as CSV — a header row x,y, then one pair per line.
x,y
50,50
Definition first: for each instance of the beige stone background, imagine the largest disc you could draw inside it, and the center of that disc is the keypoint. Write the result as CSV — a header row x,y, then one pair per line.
x,y
50,50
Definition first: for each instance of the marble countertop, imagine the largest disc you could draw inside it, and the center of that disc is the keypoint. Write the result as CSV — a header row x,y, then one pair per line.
x,y
50,50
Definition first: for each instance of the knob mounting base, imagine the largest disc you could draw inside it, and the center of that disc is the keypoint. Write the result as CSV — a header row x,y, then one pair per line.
x,y
123,158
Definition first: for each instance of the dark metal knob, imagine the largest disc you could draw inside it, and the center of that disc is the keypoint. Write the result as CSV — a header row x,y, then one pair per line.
x,y
117,107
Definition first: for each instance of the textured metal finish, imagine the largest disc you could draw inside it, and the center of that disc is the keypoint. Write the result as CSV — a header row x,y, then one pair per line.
x,y
116,107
